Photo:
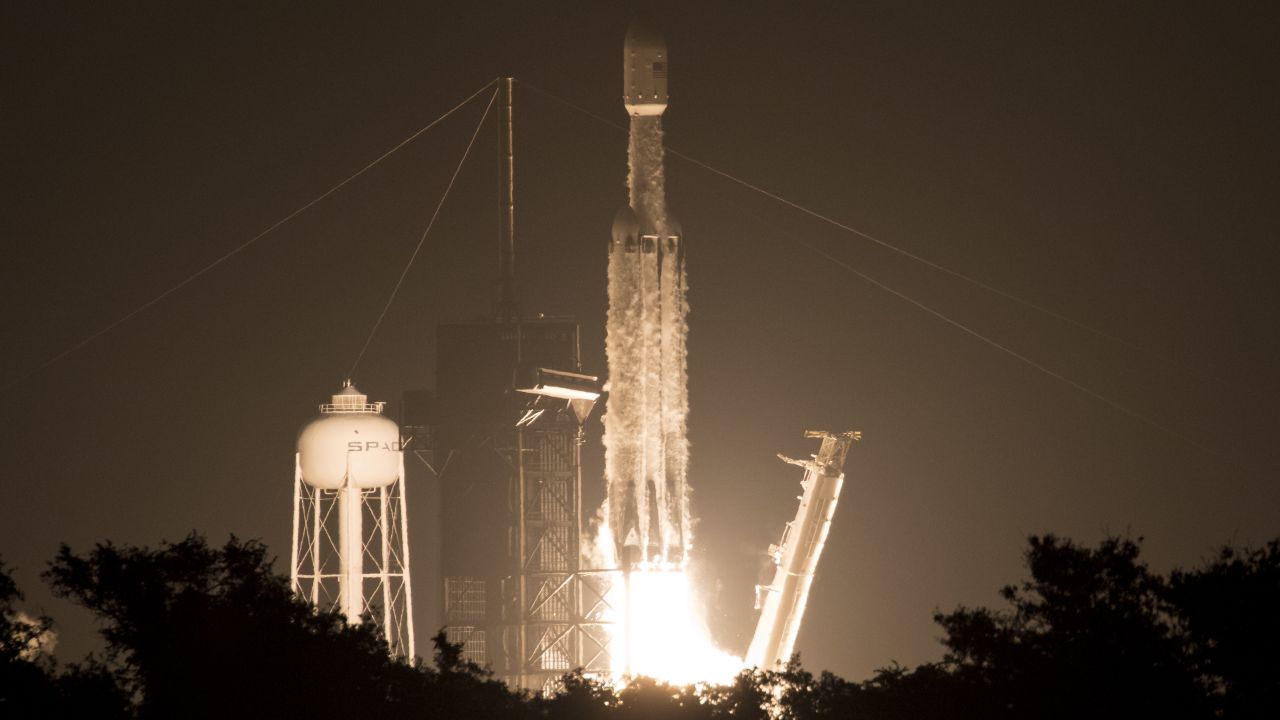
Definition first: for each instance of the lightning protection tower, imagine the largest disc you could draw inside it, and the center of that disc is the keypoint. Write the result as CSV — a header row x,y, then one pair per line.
x,y
350,530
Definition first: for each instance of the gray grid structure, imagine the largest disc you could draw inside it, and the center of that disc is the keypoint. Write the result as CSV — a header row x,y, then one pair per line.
x,y
503,443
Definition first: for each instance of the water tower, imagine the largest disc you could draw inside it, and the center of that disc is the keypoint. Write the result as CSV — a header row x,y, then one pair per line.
x,y
350,530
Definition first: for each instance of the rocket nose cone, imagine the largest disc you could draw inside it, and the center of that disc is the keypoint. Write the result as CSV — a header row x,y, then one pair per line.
x,y
673,225
625,225
642,34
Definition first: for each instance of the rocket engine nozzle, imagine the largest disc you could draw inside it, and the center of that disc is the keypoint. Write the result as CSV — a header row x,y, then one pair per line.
x,y
631,557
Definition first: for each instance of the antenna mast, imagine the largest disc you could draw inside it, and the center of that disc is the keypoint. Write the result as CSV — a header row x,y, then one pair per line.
x,y
508,309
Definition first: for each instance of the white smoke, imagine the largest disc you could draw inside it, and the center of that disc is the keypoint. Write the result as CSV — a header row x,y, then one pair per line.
x,y
646,417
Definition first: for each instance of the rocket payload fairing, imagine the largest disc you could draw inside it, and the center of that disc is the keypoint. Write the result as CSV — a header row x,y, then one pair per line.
x,y
646,443
644,67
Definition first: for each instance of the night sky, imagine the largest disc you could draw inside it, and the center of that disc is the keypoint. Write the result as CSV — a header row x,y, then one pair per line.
x,y
1117,166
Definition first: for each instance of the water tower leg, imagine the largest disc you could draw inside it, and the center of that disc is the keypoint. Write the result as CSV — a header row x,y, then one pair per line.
x,y
404,560
384,572
297,510
316,498
351,557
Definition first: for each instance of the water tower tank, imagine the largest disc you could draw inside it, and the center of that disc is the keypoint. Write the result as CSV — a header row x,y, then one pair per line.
x,y
351,441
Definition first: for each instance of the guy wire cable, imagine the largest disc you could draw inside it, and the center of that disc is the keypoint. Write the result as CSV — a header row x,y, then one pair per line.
x,y
1119,407
867,236
243,246
418,248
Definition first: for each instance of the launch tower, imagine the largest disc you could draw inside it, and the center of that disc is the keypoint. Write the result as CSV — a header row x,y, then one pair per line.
x,y
502,438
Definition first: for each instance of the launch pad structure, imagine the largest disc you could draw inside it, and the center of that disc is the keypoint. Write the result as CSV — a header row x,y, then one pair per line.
x,y
505,447
501,440
782,602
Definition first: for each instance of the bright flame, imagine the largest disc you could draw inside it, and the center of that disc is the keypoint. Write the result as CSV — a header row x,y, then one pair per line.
x,y
668,636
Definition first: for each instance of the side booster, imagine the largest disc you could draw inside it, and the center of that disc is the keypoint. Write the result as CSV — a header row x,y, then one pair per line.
x,y
644,62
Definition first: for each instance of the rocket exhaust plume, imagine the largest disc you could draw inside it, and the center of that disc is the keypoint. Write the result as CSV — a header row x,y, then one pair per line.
x,y
658,629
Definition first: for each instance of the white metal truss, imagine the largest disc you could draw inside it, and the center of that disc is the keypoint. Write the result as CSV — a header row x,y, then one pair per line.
x,y
782,602
559,616
385,593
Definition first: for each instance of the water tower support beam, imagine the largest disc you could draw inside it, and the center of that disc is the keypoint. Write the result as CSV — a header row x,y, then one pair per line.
x,y
404,559
384,577
351,559
297,510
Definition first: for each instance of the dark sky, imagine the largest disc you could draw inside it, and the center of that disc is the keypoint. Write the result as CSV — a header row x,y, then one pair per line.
x,y
1114,165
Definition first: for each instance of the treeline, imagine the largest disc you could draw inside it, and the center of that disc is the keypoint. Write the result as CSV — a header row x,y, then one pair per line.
x,y
193,631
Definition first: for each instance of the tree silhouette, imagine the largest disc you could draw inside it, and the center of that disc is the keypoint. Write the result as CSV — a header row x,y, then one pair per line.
x,y
32,685
194,631
648,699
1088,635
24,683
1230,612
201,632
462,689
580,697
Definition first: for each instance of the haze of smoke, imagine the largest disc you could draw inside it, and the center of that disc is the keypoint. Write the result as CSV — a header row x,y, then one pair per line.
x,y
675,374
